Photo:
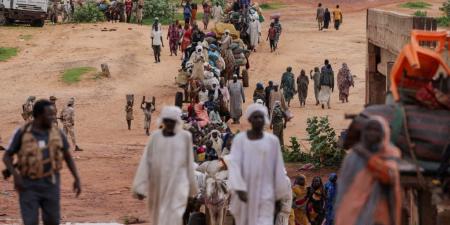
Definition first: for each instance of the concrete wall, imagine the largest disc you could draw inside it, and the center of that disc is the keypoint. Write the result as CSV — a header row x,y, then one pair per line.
x,y
388,30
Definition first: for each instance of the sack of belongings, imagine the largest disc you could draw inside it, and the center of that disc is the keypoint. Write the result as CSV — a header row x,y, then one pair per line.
x,y
221,27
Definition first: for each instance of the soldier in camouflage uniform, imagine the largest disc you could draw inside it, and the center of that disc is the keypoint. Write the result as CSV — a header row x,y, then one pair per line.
x,y
27,109
67,117
278,122
35,158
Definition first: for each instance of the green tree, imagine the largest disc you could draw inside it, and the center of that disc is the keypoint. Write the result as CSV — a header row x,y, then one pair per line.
x,y
163,9
88,13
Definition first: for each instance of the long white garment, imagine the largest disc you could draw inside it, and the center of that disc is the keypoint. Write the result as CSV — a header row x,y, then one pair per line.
x,y
198,71
256,167
166,176
217,145
217,13
225,94
237,96
286,206
254,30
324,94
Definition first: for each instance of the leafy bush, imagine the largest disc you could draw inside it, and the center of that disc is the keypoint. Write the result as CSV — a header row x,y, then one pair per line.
x,y
88,13
324,148
446,8
159,8
420,13
293,153
416,5
443,21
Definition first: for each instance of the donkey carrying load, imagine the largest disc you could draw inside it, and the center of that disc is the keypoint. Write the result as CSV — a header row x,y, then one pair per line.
x,y
214,192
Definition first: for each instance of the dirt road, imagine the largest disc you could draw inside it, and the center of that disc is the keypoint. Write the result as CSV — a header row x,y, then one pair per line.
x,y
111,153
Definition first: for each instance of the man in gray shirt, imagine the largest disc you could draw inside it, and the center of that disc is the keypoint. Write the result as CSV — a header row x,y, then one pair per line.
x,y
319,16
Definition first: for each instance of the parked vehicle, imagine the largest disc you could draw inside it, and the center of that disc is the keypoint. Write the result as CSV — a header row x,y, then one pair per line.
x,y
32,12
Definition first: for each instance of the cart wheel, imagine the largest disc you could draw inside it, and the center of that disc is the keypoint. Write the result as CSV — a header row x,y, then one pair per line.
x,y
245,78
179,99
38,23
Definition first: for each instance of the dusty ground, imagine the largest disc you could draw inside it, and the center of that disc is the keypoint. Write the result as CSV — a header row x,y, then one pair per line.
x,y
111,152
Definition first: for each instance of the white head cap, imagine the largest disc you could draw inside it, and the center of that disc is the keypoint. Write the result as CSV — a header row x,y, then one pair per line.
x,y
198,47
257,108
171,113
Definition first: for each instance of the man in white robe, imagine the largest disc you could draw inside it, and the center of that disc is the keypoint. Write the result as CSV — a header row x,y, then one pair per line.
x,y
254,30
256,172
237,97
198,60
217,13
285,206
166,172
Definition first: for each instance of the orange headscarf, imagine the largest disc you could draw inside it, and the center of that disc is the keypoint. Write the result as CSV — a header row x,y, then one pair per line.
x,y
354,200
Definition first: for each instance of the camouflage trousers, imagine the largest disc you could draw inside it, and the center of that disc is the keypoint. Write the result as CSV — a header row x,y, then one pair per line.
x,y
278,131
70,131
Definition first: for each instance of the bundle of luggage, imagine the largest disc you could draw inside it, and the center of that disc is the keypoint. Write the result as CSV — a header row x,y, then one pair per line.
x,y
220,28
239,52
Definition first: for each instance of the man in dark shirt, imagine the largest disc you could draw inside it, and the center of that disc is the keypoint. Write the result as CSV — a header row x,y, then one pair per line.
x,y
267,90
326,84
42,192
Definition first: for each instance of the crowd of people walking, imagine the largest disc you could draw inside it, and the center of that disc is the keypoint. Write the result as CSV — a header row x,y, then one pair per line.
x,y
323,17
211,74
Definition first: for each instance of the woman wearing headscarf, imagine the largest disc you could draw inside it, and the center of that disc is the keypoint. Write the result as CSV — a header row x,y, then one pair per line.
x,y
256,172
302,87
315,205
344,80
300,198
369,190
259,92
202,115
165,174
288,85
174,36
330,190
187,37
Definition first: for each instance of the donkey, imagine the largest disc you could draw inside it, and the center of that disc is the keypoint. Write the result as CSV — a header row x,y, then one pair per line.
x,y
217,197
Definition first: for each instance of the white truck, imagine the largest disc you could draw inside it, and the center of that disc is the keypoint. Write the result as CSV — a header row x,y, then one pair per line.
x,y
33,12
